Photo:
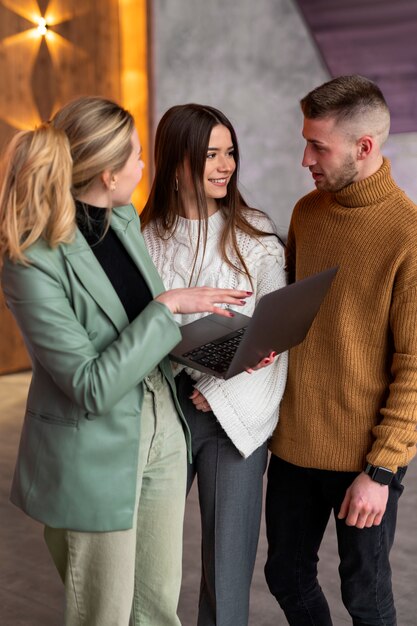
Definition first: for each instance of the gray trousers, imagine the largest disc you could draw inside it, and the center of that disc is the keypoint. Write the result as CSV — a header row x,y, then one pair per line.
x,y
230,497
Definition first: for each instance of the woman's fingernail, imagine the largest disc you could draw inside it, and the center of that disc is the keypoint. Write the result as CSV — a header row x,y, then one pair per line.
x,y
249,293
242,302
273,354
231,314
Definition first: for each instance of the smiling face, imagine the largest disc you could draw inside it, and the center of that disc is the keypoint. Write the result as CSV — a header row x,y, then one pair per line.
x,y
330,154
220,164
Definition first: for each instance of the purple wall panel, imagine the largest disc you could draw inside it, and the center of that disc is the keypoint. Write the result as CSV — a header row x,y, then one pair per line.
x,y
375,38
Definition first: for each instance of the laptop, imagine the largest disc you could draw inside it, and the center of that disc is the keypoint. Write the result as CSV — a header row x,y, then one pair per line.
x,y
223,346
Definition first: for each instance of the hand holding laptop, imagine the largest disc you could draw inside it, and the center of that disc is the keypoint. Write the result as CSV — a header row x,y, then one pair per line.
x,y
202,300
200,402
268,360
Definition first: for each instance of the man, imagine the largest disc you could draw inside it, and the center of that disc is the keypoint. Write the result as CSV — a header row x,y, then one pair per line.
x,y
348,419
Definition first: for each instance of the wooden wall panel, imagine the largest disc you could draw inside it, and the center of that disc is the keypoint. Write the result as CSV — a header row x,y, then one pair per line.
x,y
13,356
81,53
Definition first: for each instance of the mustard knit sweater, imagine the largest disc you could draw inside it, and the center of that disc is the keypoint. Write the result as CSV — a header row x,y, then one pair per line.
x,y
351,394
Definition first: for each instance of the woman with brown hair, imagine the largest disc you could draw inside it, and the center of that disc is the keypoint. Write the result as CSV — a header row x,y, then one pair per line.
x,y
199,230
102,457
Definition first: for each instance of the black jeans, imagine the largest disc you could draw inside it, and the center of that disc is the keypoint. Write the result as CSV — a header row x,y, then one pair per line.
x,y
299,502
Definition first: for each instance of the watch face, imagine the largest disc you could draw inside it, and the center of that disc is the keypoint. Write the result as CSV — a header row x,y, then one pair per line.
x,y
381,475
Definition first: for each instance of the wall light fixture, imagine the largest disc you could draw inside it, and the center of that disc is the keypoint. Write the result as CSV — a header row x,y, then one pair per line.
x,y
42,28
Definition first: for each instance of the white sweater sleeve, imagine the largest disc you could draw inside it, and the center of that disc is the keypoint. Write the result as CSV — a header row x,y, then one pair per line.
x,y
247,405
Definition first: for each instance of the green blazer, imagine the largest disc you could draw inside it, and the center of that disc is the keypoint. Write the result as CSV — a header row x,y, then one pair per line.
x,y
78,453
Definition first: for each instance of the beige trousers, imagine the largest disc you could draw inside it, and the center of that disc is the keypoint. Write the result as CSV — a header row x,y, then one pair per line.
x,y
133,577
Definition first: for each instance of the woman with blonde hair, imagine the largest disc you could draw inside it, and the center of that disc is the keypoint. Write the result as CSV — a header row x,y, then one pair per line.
x,y
199,230
102,456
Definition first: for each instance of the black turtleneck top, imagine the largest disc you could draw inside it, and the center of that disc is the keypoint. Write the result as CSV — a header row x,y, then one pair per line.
x,y
115,260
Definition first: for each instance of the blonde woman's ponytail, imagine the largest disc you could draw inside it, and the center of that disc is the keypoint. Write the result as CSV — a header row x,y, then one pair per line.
x,y
35,192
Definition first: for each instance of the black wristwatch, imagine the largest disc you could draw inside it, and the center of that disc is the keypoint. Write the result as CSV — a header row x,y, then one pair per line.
x,y
380,475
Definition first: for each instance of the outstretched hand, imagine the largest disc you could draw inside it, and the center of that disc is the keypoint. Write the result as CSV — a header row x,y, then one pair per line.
x,y
364,503
202,300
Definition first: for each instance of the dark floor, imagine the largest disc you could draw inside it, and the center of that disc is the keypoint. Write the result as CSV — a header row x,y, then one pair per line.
x,y
31,594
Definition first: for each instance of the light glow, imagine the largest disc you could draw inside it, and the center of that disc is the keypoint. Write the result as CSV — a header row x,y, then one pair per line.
x,y
28,9
18,106
21,111
134,81
42,26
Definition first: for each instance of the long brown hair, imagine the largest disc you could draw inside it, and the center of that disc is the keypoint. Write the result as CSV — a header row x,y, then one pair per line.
x,y
183,135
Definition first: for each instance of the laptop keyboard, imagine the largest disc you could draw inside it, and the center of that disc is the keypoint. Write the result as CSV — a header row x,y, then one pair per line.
x,y
217,356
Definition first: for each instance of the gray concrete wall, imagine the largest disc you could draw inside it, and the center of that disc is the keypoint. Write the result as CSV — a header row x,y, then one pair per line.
x,y
254,61
402,150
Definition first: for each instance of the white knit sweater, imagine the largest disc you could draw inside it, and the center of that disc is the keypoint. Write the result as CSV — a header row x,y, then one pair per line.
x,y
247,405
